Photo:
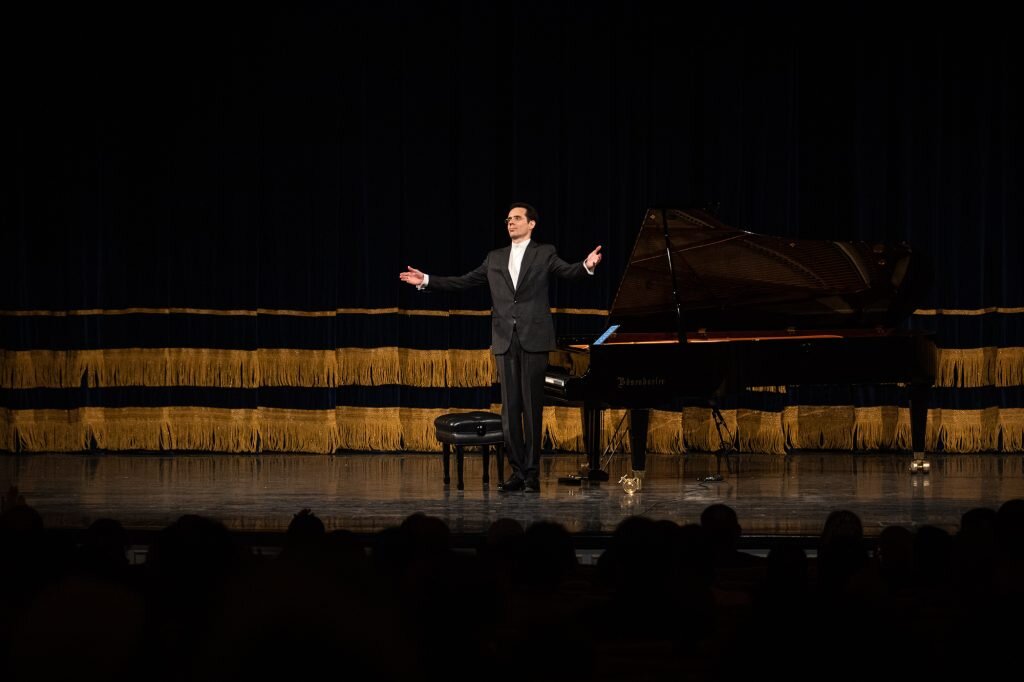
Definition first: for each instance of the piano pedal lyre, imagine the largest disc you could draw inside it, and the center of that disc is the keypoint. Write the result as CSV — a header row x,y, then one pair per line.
x,y
633,482
919,465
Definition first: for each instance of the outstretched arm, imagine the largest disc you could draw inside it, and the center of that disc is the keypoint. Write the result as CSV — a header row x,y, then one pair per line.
x,y
421,280
576,270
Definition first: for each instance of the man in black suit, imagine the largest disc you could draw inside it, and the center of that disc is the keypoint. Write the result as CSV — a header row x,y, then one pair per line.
x,y
522,332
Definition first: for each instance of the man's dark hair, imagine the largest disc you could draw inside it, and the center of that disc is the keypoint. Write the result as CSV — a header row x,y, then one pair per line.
x,y
531,212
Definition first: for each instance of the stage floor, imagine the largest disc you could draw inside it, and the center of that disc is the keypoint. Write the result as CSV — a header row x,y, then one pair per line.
x,y
773,495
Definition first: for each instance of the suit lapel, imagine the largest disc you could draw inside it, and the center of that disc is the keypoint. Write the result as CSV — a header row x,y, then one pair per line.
x,y
504,255
527,260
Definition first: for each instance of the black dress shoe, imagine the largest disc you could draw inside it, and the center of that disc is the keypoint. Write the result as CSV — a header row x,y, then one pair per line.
x,y
532,485
513,484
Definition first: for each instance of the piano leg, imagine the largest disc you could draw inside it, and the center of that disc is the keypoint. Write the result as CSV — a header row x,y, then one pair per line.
x,y
639,421
918,426
592,441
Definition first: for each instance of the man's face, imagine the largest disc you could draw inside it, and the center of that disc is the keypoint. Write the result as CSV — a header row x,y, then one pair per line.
x,y
519,228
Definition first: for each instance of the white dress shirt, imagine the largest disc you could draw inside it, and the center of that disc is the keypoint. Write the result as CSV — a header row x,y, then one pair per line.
x,y
515,259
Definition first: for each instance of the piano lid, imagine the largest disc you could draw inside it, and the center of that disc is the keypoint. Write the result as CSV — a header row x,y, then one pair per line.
x,y
728,278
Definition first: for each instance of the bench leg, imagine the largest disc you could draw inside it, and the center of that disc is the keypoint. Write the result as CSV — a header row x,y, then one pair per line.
x,y
500,449
444,460
458,464
486,456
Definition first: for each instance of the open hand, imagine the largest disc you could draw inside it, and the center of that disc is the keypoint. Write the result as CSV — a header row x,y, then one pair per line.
x,y
593,258
414,276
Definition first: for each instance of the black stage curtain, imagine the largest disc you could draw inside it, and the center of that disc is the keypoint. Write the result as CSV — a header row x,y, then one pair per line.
x,y
205,208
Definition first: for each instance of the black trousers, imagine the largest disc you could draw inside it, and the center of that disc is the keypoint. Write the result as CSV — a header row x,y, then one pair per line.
x,y
522,406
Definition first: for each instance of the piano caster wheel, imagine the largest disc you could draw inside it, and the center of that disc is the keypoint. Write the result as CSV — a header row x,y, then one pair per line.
x,y
632,484
920,466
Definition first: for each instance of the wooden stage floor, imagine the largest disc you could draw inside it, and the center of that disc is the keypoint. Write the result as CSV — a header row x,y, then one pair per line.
x,y
773,495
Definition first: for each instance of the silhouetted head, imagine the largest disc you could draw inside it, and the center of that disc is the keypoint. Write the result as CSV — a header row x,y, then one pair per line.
x,y
345,555
21,519
636,554
504,541
548,554
722,525
842,523
841,552
695,551
933,555
305,529
392,552
979,519
192,550
501,530
894,552
103,549
429,535
1009,528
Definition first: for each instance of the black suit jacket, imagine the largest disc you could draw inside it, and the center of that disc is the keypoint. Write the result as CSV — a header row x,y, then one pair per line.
x,y
527,307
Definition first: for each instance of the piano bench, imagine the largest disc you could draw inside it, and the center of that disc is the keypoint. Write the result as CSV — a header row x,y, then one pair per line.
x,y
460,429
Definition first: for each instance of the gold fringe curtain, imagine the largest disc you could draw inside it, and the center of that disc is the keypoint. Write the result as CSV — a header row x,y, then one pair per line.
x,y
881,427
973,367
247,368
804,427
220,430
965,430
673,432
959,368
412,429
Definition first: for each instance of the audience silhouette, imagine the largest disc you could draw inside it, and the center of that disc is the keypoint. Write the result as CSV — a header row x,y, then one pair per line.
x,y
661,599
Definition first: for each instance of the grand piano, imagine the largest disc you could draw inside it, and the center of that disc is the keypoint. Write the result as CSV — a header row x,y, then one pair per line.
x,y
705,310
